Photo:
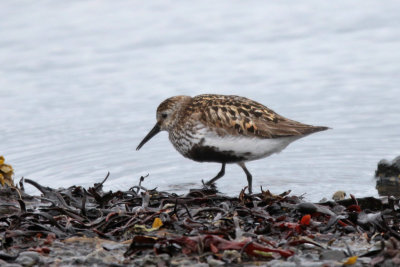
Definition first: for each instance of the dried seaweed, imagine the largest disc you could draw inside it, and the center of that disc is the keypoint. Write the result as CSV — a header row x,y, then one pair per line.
x,y
198,225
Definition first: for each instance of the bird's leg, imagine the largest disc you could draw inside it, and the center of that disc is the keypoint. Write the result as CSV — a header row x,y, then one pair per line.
x,y
248,174
219,175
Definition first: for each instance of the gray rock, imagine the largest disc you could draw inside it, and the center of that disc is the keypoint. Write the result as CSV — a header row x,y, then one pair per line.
x,y
6,264
306,207
113,246
182,262
58,244
11,265
164,257
31,254
28,258
281,263
26,261
232,256
65,253
149,260
319,264
93,261
213,262
388,263
78,259
335,255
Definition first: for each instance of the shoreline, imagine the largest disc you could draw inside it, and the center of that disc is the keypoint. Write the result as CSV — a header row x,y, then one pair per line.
x,y
140,227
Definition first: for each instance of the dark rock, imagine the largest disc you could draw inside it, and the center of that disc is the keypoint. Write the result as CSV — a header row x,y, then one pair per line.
x,y
370,203
306,207
388,174
388,169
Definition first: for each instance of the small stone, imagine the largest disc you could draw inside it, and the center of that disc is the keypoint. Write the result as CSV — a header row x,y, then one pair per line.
x,y
93,261
10,265
232,256
113,246
26,261
149,260
214,263
280,263
6,264
336,255
323,200
58,244
164,257
388,169
396,162
307,207
339,195
78,259
181,262
388,263
28,258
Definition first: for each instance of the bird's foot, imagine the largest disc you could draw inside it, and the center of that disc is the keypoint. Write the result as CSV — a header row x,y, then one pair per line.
x,y
209,186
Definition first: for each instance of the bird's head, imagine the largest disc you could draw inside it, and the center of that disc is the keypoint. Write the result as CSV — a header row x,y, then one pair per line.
x,y
167,115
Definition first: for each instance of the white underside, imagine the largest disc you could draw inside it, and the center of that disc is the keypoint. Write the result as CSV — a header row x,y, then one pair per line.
x,y
248,147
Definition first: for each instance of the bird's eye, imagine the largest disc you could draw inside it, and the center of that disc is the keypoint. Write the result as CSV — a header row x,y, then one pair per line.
x,y
164,115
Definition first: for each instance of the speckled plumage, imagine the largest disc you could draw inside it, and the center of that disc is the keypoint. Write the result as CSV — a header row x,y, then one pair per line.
x,y
225,129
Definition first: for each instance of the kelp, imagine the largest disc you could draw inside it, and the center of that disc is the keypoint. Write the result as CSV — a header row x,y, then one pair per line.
x,y
199,225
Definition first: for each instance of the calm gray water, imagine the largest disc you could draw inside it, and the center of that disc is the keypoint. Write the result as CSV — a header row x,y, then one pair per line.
x,y
80,82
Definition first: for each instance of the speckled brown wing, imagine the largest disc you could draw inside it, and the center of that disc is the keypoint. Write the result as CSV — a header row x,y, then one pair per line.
x,y
237,115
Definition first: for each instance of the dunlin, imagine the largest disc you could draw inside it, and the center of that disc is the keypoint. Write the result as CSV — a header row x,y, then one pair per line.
x,y
225,129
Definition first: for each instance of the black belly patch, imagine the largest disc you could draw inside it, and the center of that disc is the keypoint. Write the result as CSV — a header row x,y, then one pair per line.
x,y
212,154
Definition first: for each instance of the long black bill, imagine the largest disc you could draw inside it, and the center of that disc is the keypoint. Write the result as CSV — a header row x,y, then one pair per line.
x,y
156,129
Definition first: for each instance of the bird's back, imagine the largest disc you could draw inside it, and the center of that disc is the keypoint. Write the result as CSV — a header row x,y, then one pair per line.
x,y
240,116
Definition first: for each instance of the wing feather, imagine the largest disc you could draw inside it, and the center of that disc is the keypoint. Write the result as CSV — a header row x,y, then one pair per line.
x,y
237,115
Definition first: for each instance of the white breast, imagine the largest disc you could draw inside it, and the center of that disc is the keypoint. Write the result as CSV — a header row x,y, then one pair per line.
x,y
250,148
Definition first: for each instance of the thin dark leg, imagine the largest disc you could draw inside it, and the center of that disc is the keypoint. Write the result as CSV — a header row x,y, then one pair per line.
x,y
248,174
219,175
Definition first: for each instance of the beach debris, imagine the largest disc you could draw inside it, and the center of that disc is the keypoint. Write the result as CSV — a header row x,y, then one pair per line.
x,y
145,226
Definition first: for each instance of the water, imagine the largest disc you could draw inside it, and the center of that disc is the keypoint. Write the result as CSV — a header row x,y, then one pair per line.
x,y
80,82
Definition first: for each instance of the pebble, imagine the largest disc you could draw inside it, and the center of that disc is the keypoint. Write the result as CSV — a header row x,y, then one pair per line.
x,y
280,263
336,255
28,258
78,259
164,257
306,207
339,195
6,264
180,262
232,256
213,262
65,253
113,246
93,261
